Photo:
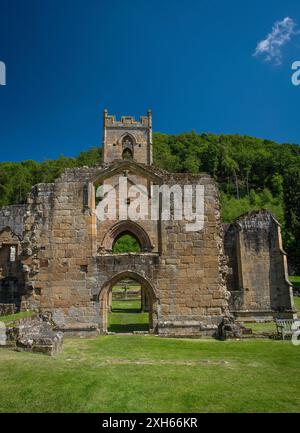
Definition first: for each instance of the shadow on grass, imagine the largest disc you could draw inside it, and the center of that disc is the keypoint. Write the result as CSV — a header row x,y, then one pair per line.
x,y
129,327
126,310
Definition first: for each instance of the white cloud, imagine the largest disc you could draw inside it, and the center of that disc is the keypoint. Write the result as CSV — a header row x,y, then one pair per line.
x,y
270,48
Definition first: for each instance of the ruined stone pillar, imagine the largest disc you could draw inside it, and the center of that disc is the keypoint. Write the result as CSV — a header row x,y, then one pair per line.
x,y
144,300
109,301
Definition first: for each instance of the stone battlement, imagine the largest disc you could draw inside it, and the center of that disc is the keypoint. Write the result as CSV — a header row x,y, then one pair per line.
x,y
127,121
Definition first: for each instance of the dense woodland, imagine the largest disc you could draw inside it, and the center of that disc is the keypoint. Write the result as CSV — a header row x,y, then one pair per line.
x,y
252,174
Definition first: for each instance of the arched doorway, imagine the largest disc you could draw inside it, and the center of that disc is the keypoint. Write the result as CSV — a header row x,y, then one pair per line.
x,y
146,287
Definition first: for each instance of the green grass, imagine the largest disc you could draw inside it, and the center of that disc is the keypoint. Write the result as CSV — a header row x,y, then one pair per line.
x,y
127,317
258,328
153,374
297,304
295,281
17,316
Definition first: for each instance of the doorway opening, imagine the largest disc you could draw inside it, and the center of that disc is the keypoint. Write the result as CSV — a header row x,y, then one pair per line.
x,y
128,308
128,303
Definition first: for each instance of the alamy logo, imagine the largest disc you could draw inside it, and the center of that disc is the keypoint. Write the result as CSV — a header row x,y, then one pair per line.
x,y
296,74
176,202
2,74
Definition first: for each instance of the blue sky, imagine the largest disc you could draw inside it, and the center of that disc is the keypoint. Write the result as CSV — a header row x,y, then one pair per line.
x,y
190,61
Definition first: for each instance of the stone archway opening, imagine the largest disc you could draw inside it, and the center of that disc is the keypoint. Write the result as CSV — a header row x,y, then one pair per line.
x,y
126,227
128,304
126,312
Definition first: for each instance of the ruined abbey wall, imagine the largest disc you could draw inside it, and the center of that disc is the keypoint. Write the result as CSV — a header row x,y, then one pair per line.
x,y
66,270
65,266
257,277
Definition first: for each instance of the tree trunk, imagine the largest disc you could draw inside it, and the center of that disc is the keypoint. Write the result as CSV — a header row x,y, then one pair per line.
x,y
236,185
247,182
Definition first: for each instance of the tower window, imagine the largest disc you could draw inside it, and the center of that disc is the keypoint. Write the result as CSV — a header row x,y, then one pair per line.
x,y
84,268
127,154
127,145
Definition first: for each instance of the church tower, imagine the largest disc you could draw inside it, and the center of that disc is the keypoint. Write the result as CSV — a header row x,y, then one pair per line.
x,y
127,138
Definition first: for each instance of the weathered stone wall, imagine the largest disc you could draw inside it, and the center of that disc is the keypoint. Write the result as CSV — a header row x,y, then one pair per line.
x,y
257,277
34,334
59,230
7,309
65,272
186,271
193,296
13,217
151,228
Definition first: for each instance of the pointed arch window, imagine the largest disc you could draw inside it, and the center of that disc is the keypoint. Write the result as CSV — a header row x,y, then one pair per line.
x,y
127,146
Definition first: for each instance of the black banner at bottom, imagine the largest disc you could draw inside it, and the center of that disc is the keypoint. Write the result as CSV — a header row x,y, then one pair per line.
x,y
132,422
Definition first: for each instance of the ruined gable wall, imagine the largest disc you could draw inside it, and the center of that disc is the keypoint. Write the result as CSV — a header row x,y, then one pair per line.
x,y
257,265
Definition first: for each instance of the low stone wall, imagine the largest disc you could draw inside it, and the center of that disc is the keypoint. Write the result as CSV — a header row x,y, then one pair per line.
x,y
34,335
130,294
226,328
256,315
187,328
7,309
80,330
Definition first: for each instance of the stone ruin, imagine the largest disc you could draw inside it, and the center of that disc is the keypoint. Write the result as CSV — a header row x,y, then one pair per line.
x,y
32,334
56,256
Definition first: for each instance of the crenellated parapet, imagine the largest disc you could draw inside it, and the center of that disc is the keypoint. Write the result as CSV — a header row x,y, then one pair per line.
x,y
110,121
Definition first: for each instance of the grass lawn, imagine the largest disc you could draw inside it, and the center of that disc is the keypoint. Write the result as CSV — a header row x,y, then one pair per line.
x,y
153,374
127,317
258,328
297,304
119,373
12,317
295,281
